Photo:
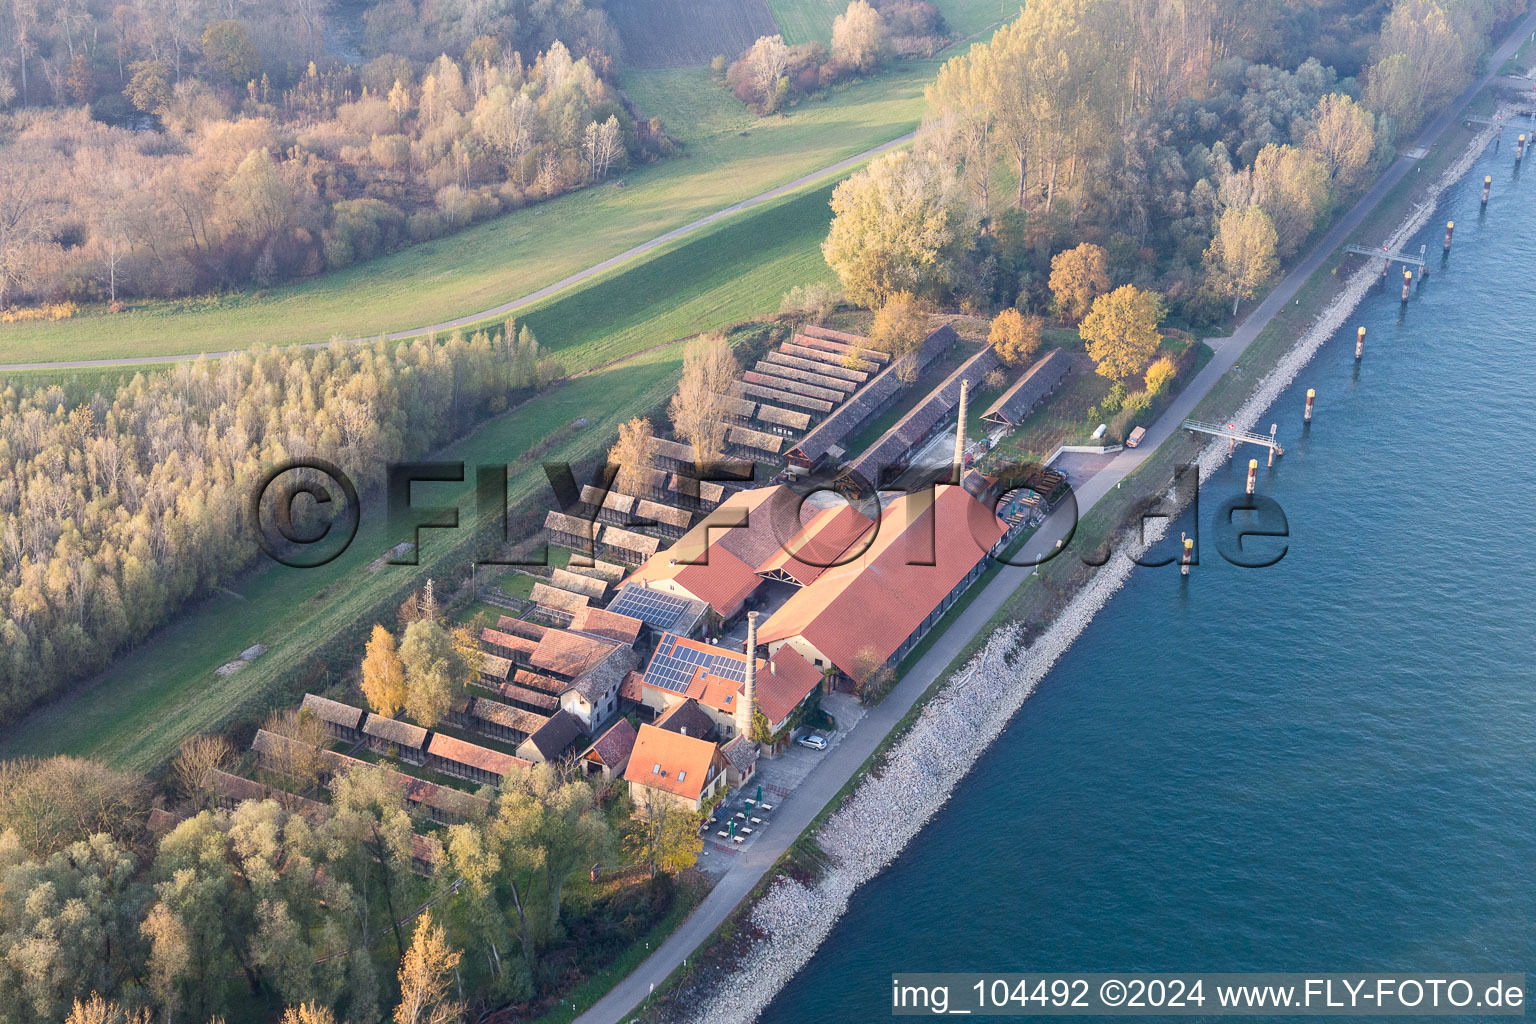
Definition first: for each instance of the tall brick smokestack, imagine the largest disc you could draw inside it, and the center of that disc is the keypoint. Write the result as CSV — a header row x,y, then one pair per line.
x,y
960,433
748,705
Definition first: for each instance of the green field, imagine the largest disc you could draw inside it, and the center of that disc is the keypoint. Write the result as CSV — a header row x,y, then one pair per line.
x,y
518,253
165,690
805,21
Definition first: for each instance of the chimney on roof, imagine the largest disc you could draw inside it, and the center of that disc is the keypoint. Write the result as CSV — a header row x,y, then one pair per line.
x,y
748,705
965,386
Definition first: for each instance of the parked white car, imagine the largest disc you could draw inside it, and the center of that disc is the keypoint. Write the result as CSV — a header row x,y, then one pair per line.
x,y
813,741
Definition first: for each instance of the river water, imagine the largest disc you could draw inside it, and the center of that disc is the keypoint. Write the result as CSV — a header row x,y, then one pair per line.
x,y
1325,765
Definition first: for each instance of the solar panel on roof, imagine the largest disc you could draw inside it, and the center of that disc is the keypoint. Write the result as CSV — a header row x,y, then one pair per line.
x,y
654,608
674,665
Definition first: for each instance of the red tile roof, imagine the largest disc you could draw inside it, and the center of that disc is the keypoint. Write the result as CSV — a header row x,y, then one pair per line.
x,y
785,681
670,762
603,623
569,654
614,746
868,607
826,539
782,682
496,638
630,689
483,758
717,560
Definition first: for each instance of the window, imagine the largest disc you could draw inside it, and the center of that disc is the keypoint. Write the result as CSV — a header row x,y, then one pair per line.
x,y
820,663
681,776
656,769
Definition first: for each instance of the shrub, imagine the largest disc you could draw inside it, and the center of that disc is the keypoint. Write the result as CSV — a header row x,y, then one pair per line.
x,y
1160,375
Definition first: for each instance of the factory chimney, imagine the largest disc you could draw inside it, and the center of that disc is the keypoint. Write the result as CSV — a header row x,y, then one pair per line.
x,y
960,433
748,705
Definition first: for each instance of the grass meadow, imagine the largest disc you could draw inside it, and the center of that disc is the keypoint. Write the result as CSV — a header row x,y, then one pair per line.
x,y
522,251
622,327
805,21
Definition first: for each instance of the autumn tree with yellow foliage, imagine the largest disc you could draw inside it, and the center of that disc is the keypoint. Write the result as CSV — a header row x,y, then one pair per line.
x,y
1014,336
1121,331
426,974
698,410
899,328
632,455
383,674
1078,276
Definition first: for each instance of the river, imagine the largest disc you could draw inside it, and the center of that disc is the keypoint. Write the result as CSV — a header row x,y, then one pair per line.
x,y
1325,765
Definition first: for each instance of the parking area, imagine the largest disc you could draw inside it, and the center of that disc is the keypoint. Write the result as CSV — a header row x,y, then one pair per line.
x,y
776,780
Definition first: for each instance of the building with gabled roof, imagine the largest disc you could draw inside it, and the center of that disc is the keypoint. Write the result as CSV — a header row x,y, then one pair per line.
x,y
893,450
552,739
741,761
505,722
659,610
572,532
562,653
869,612
828,538
578,583
341,721
1014,405
627,546
610,754
470,761
749,538
393,738
712,678
609,625
865,405
517,649
671,766
493,671
688,718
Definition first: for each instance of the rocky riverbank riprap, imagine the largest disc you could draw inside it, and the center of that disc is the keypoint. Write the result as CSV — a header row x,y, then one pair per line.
x,y
918,774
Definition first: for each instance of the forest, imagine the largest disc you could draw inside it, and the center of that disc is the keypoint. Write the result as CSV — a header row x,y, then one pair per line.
x,y
293,909
155,149
118,507
1150,131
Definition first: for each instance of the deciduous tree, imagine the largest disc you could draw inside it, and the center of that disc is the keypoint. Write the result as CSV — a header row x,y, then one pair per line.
x,y
1241,257
1343,136
1078,276
633,456
664,835
860,37
383,680
698,410
435,673
1160,375
197,756
900,326
1121,331
298,763
902,224
426,976
1014,336
52,803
